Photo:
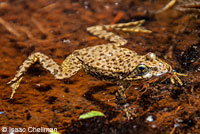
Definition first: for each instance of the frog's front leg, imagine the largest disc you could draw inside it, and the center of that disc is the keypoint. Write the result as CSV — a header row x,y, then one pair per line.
x,y
70,66
121,100
121,96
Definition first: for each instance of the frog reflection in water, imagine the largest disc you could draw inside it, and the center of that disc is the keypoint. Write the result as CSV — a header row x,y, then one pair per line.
x,y
106,62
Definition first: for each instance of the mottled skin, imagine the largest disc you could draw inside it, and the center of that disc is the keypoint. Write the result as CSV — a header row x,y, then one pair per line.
x,y
106,62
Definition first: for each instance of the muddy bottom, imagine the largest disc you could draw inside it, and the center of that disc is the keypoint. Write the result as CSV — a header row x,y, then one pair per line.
x,y
57,28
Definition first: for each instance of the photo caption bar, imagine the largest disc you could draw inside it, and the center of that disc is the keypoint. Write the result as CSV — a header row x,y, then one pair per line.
x,y
29,129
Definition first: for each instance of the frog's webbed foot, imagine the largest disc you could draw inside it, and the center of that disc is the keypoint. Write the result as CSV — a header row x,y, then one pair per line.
x,y
174,77
14,84
172,74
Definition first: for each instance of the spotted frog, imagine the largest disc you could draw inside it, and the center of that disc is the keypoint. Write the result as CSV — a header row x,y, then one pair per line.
x,y
108,62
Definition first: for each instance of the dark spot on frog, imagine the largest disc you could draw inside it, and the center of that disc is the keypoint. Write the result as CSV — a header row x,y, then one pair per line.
x,y
84,54
110,54
113,59
101,54
115,63
98,64
55,71
154,68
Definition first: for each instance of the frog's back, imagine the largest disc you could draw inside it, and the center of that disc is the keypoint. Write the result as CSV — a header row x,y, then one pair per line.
x,y
108,58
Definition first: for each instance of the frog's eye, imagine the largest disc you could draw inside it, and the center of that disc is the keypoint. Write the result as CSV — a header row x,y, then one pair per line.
x,y
141,69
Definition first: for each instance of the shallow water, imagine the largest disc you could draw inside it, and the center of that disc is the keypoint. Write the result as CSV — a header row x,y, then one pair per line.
x,y
57,28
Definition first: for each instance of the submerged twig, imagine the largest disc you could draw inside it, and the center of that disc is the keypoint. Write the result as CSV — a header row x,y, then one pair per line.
x,y
49,7
9,27
166,7
26,31
169,54
189,7
3,5
39,26
183,6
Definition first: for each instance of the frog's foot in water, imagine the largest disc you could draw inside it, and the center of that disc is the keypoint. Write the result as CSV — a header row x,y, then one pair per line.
x,y
174,76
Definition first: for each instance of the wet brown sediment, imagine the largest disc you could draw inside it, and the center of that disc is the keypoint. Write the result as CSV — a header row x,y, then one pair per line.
x,y
58,28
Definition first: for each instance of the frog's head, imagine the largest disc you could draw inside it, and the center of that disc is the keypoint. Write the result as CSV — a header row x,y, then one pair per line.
x,y
149,66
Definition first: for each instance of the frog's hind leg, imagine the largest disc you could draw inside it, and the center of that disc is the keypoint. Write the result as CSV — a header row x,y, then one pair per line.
x,y
134,26
102,31
70,66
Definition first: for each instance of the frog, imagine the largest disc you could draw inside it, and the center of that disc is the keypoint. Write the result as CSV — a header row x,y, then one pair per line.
x,y
107,62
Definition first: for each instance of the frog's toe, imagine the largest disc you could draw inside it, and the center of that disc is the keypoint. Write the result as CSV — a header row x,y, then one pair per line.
x,y
14,84
11,81
178,80
174,77
172,80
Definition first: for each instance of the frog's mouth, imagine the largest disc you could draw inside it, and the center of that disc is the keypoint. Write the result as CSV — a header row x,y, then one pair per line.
x,y
161,73
162,69
150,74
